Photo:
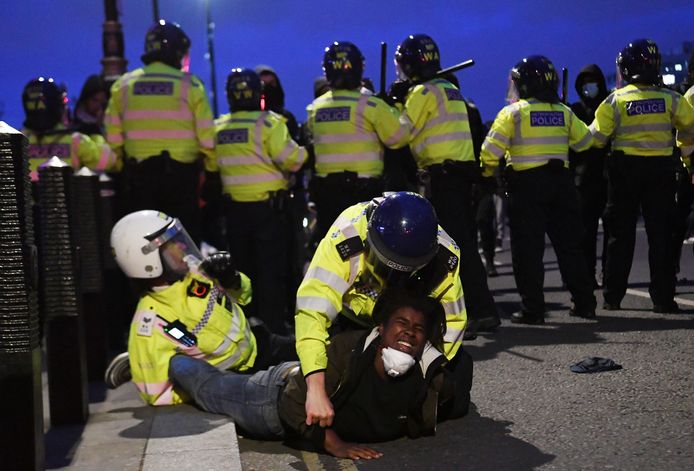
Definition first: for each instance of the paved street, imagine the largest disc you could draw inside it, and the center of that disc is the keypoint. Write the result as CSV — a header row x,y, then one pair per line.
x,y
531,412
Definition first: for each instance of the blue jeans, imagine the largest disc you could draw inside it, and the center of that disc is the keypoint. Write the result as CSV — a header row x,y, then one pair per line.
x,y
251,400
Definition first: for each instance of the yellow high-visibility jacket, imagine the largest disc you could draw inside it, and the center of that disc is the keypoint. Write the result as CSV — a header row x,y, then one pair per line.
x,y
157,108
349,131
530,133
440,126
254,154
73,148
640,119
224,337
332,286
687,145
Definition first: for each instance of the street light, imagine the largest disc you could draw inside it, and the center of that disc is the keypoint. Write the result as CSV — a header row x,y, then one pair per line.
x,y
210,56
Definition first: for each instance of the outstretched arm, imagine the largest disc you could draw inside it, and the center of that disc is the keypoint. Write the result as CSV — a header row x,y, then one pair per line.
x,y
340,449
319,409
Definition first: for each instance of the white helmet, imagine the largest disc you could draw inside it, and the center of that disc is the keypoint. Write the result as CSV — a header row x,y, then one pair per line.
x,y
138,245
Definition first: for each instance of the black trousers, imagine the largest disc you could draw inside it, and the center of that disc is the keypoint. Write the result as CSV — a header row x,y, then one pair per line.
x,y
337,192
451,196
163,184
485,220
544,200
258,238
647,183
461,372
685,198
593,197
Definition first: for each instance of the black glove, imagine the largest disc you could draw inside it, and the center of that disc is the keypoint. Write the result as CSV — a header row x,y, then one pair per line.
x,y
397,92
221,266
212,187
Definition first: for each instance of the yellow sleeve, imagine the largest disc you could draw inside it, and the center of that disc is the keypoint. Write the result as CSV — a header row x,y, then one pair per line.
x,y
244,295
204,124
456,317
285,153
580,137
318,303
392,126
684,122
417,107
497,142
87,151
112,120
603,126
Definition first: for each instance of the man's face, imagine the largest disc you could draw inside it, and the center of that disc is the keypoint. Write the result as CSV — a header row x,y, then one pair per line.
x,y
405,330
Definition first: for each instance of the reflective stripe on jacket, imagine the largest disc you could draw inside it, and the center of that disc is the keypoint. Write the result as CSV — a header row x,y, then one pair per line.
x,y
686,143
349,131
440,126
224,337
74,148
157,108
254,154
332,286
532,133
640,119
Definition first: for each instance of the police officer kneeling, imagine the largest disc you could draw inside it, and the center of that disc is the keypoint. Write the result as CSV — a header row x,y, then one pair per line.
x,y
537,131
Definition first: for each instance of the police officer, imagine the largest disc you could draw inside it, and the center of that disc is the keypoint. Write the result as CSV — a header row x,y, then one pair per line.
x,y
589,166
349,130
442,145
537,131
391,241
639,118
44,106
255,154
159,119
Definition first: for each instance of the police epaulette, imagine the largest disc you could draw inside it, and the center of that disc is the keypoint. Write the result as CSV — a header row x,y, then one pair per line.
x,y
449,258
350,247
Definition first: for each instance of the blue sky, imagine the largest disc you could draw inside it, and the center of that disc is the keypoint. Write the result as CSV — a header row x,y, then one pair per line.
x,y
63,38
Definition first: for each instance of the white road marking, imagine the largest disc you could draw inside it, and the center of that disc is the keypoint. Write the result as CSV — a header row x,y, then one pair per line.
x,y
644,294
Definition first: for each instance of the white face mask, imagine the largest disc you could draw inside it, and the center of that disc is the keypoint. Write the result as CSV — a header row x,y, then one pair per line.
x,y
396,362
590,89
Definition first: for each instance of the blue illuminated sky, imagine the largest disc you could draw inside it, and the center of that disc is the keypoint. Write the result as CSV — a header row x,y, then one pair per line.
x,y
63,38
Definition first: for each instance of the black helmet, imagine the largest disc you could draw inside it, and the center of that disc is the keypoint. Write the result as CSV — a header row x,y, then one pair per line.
x,y
639,62
44,103
244,89
418,57
165,42
343,65
536,77
402,235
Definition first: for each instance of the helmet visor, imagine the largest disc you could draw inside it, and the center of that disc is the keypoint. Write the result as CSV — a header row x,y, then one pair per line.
x,y
512,94
178,251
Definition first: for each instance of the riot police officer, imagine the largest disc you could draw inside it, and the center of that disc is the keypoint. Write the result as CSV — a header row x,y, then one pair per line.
x,y
255,153
44,105
159,120
537,131
349,130
442,146
639,117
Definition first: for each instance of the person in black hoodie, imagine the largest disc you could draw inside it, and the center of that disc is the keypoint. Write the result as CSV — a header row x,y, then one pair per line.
x,y
589,166
273,96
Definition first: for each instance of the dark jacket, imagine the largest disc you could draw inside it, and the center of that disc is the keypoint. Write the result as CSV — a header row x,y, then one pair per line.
x,y
349,354
588,166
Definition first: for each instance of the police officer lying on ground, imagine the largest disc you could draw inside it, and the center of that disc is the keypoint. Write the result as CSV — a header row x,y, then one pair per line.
x,y
385,383
187,306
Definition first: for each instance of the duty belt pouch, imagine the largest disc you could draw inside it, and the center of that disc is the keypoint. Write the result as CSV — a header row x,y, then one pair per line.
x,y
424,178
279,200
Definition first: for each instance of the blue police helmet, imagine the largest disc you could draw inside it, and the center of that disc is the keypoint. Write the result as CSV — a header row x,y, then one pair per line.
x,y
403,232
536,77
244,90
343,64
418,57
166,42
639,62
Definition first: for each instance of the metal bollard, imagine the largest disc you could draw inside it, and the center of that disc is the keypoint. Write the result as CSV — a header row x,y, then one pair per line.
x,y
65,346
21,402
91,269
